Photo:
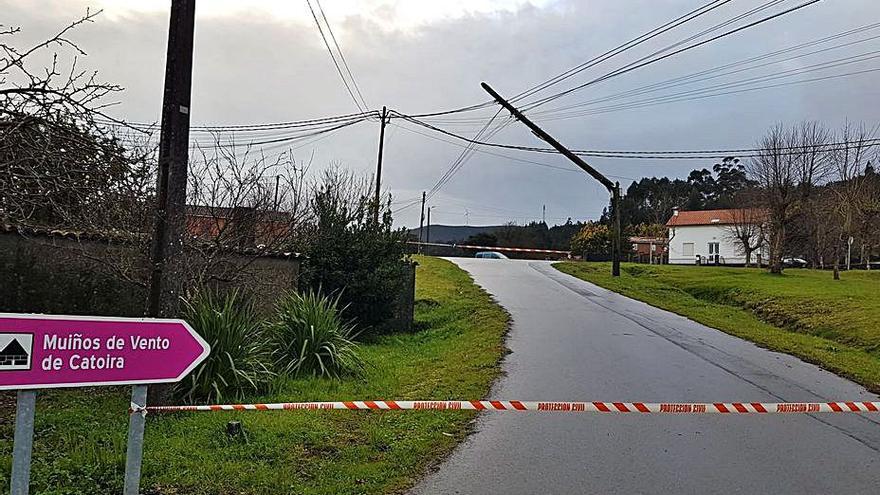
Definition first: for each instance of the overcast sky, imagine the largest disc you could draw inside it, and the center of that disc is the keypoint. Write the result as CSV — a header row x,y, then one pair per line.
x,y
264,61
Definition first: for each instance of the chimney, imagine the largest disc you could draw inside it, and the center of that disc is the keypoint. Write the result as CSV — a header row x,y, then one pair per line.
x,y
675,211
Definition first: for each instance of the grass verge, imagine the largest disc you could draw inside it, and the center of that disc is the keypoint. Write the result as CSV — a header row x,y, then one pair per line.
x,y
80,435
802,312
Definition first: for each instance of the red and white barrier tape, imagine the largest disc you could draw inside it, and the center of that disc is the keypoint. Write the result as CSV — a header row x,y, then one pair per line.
x,y
491,248
570,407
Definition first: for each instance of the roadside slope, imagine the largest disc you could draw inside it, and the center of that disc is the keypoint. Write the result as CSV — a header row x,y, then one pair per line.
x,y
804,312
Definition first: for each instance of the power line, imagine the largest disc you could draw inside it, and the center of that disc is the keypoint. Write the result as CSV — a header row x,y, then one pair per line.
x,y
508,157
593,61
663,154
719,70
341,54
333,57
621,48
643,62
697,96
285,139
459,162
252,127
748,13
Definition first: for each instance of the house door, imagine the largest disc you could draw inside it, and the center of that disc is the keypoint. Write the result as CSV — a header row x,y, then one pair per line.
x,y
714,255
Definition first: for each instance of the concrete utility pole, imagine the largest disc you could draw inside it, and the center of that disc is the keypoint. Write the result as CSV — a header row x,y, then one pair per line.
x,y
384,119
615,242
173,154
544,214
613,188
422,221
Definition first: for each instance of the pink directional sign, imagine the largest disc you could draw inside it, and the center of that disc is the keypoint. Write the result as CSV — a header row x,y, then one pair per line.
x,y
47,351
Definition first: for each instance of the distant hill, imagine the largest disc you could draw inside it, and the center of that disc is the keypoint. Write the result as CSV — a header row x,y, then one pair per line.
x,y
453,233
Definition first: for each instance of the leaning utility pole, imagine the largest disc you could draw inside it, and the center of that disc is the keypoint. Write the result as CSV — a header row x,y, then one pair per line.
x,y
379,163
613,188
422,222
173,155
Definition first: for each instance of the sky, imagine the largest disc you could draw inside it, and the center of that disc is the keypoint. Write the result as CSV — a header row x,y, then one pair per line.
x,y
264,61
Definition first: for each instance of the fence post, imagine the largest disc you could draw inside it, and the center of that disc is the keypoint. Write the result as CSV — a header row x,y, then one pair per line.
x,y
23,443
135,451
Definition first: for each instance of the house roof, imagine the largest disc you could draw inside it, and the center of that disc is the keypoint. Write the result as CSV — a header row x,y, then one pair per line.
x,y
714,217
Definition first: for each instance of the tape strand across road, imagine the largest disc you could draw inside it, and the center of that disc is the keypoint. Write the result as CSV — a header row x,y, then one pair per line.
x,y
537,406
490,248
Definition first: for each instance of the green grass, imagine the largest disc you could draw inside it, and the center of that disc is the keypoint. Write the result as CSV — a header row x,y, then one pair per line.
x,y
80,435
803,312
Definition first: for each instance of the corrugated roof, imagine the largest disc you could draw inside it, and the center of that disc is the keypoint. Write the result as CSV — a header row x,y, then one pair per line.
x,y
713,217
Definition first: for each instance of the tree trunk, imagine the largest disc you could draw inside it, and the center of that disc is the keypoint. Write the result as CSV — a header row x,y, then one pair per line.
x,y
776,242
837,260
748,258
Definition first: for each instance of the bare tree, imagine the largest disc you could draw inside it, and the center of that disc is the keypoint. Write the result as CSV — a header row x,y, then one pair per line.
x,y
33,89
789,164
869,230
244,202
851,188
747,226
63,162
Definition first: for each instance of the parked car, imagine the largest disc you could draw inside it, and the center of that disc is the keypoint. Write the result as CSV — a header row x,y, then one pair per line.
x,y
495,255
794,262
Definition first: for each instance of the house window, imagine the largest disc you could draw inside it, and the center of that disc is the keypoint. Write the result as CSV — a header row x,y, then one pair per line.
x,y
687,249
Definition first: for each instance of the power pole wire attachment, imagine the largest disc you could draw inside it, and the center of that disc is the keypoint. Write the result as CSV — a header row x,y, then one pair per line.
x,y
612,187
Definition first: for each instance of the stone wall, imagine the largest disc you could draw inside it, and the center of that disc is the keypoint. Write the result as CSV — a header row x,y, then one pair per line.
x,y
64,274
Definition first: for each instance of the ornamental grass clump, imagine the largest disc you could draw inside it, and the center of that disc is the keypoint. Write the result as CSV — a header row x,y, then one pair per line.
x,y
241,356
311,338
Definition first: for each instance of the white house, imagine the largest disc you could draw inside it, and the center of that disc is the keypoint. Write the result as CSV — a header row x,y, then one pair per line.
x,y
706,237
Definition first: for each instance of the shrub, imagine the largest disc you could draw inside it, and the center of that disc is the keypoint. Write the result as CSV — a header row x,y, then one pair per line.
x,y
310,337
349,253
240,353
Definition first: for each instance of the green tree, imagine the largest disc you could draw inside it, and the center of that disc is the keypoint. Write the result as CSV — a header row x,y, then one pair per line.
x,y
593,239
482,239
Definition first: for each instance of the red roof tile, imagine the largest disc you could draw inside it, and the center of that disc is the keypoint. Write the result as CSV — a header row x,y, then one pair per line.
x,y
712,217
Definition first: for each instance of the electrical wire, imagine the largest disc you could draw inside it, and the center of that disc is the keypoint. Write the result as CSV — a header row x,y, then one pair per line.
x,y
697,96
654,155
719,71
333,57
341,55
508,157
648,61
704,9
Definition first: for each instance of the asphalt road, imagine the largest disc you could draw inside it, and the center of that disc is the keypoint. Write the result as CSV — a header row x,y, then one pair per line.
x,y
572,340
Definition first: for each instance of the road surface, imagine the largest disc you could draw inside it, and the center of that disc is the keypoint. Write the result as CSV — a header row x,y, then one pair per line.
x,y
574,341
